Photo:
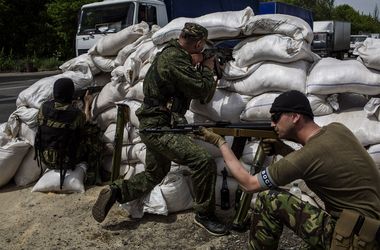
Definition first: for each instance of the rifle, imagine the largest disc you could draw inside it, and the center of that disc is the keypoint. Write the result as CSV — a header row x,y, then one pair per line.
x,y
80,93
241,132
222,56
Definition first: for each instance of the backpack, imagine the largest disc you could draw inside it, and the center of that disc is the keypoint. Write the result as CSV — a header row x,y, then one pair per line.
x,y
57,138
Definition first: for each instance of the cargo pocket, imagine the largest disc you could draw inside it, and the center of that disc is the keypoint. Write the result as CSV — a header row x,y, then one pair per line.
x,y
366,238
343,237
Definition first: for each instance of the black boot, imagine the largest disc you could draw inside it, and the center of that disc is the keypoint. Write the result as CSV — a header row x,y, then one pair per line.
x,y
107,197
211,223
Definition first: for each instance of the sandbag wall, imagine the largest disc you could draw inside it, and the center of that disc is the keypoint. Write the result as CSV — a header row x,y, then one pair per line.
x,y
275,56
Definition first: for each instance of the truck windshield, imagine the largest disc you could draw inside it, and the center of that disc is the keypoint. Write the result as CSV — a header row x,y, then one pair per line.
x,y
106,19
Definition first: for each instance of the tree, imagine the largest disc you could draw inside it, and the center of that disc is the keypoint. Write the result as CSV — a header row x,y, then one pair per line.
x,y
376,13
64,21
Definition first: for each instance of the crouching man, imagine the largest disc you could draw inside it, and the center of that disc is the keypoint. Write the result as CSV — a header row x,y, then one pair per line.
x,y
333,164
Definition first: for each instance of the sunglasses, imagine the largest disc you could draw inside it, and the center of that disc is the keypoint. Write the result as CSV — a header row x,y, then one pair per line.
x,y
276,117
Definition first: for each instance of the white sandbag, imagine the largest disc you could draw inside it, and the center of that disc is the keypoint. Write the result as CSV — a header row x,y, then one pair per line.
x,y
374,152
102,79
125,52
135,92
155,203
29,171
133,106
137,60
320,105
129,135
143,71
4,137
110,44
176,192
42,90
224,106
331,75
104,119
276,47
11,156
82,63
105,64
233,72
366,130
372,108
112,92
232,186
127,170
26,115
270,77
226,24
286,25
192,117
134,153
369,53
27,133
258,107
117,75
73,183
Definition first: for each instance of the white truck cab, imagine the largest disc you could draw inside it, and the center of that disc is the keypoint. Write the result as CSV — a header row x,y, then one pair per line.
x,y
110,16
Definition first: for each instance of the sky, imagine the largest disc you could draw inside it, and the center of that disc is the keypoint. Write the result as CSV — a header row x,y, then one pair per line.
x,y
365,6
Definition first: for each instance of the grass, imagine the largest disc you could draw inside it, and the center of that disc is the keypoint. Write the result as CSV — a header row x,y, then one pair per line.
x,y
8,63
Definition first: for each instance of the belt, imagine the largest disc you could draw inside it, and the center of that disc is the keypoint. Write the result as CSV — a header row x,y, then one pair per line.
x,y
153,102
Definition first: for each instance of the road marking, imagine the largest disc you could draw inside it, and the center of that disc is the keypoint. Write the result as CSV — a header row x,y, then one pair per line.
x,y
8,99
16,87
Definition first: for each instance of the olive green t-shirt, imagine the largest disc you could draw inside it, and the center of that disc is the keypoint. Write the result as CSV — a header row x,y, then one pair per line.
x,y
336,167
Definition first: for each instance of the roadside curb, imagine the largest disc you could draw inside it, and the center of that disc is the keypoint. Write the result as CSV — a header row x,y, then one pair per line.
x,y
16,76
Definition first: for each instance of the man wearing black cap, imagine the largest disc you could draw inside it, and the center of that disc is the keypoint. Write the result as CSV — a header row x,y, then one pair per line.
x,y
333,164
61,128
170,84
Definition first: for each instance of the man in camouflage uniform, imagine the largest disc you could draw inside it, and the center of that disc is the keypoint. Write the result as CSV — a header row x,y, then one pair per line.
x,y
65,135
170,84
333,164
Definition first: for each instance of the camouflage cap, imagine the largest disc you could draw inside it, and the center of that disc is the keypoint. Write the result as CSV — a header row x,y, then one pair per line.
x,y
195,30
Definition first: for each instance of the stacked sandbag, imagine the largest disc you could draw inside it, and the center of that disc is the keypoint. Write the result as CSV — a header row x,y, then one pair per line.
x,y
368,53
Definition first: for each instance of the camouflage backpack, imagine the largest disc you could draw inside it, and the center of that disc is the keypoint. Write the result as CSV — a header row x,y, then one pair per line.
x,y
57,138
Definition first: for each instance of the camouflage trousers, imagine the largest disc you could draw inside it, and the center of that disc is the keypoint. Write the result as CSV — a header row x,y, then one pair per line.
x,y
180,148
276,208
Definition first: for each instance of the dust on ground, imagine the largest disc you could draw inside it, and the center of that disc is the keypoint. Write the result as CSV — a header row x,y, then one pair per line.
x,y
64,221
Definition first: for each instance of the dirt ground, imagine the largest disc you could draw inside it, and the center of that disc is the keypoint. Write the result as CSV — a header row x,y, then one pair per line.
x,y
64,221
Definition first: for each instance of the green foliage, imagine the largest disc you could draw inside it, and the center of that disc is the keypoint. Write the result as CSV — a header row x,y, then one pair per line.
x,y
64,21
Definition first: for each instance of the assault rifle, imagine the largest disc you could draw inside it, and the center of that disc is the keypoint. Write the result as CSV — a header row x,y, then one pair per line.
x,y
241,132
222,56
79,94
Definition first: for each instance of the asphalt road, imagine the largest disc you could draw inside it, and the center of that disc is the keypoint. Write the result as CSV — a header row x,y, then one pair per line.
x,y
11,84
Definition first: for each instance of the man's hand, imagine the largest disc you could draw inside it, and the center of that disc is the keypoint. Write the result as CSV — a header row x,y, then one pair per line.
x,y
276,147
196,59
88,98
210,137
209,63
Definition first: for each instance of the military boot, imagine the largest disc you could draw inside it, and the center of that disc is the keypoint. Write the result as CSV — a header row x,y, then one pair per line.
x,y
211,223
107,197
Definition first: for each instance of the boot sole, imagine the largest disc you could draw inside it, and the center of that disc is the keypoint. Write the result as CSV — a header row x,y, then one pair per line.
x,y
210,232
99,209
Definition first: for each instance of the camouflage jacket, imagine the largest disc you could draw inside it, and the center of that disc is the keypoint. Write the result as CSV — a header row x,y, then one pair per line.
x,y
172,75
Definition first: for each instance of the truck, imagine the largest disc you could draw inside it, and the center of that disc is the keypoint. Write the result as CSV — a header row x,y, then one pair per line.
x,y
110,16
331,38
287,9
